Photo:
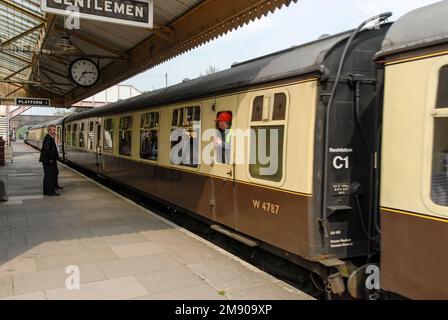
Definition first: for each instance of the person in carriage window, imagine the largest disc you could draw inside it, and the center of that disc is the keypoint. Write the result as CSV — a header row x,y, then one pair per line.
x,y
223,142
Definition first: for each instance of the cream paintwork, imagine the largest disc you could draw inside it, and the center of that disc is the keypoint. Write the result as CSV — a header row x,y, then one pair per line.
x,y
299,137
408,124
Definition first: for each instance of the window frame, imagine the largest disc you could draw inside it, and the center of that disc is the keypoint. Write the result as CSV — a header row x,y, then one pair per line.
x,y
432,112
103,150
130,129
270,123
141,129
172,127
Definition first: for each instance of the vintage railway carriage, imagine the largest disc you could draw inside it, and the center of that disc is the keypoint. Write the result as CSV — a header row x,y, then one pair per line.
x,y
414,179
36,134
129,142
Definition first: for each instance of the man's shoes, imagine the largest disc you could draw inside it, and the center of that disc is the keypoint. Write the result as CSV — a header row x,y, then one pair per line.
x,y
59,187
53,194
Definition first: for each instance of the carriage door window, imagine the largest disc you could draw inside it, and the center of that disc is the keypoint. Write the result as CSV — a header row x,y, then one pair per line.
x,y
267,137
125,136
91,136
81,135
68,135
74,132
149,135
439,184
108,140
185,127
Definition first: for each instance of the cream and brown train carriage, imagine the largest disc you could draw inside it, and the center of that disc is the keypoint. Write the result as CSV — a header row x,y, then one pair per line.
x,y
36,134
414,159
322,223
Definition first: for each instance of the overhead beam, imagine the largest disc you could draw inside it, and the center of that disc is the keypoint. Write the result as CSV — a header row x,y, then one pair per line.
x,y
92,41
23,10
17,72
18,111
23,34
207,21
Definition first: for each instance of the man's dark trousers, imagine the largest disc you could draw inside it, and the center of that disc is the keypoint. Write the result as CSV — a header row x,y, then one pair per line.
x,y
49,156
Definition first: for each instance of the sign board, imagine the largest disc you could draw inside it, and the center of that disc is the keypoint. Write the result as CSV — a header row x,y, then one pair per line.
x,y
137,13
33,102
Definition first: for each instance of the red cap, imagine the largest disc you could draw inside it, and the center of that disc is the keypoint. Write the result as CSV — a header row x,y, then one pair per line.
x,y
225,116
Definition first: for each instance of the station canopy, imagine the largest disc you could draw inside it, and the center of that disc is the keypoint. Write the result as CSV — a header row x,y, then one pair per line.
x,y
36,48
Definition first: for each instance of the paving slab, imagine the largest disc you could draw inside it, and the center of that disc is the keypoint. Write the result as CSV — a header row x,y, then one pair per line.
x,y
122,250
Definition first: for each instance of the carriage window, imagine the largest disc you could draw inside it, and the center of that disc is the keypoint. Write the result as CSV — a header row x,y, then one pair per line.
x,y
149,135
279,112
266,153
125,136
74,132
267,139
442,94
91,137
439,185
108,140
185,130
68,135
81,136
257,109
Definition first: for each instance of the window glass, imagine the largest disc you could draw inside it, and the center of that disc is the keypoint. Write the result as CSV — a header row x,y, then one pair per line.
x,y
74,131
81,136
125,136
68,135
279,112
149,135
108,135
223,142
91,136
257,109
185,149
266,156
442,95
439,185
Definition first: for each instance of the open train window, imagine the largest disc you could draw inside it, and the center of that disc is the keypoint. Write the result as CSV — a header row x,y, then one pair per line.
x,y
91,136
185,136
81,136
149,136
125,136
108,138
442,92
268,121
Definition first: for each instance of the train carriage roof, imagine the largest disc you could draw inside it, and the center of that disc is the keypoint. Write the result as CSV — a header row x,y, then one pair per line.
x,y
297,61
417,29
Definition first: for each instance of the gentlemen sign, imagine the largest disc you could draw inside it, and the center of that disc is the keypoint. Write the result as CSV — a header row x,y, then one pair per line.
x,y
129,12
33,102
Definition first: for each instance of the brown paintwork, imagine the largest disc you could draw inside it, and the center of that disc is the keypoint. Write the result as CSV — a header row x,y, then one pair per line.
x,y
414,256
287,230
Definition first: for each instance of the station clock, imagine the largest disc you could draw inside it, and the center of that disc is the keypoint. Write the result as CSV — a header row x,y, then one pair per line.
x,y
84,72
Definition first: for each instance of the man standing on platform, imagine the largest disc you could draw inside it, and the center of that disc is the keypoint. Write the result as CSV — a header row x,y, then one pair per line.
x,y
49,156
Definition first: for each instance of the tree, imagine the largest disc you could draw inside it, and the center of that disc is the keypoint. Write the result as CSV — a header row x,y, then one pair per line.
x,y
62,113
210,70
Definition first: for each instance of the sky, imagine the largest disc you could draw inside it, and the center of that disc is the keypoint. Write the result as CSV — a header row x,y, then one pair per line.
x,y
299,23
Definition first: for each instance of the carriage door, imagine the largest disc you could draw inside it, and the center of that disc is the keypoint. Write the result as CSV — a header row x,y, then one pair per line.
x,y
98,143
223,169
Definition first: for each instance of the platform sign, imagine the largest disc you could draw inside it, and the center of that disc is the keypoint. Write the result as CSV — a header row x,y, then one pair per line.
x,y
137,13
33,102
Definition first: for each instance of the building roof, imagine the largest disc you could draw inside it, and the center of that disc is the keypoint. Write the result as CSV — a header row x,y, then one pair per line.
x,y
417,29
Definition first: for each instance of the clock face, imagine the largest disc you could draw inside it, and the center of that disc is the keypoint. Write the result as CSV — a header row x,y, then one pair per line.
x,y
84,72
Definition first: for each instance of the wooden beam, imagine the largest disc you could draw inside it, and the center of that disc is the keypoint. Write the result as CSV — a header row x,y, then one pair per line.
x,y
23,34
17,72
23,10
92,41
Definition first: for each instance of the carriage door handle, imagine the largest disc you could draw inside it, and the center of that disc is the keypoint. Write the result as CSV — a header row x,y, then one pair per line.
x,y
230,173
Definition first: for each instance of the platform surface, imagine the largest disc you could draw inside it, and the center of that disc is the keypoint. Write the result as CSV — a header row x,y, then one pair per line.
x,y
122,250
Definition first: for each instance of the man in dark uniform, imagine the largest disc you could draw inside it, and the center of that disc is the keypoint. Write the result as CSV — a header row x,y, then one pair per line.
x,y
49,156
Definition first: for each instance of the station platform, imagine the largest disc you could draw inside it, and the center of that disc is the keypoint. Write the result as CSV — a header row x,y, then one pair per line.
x,y
123,251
